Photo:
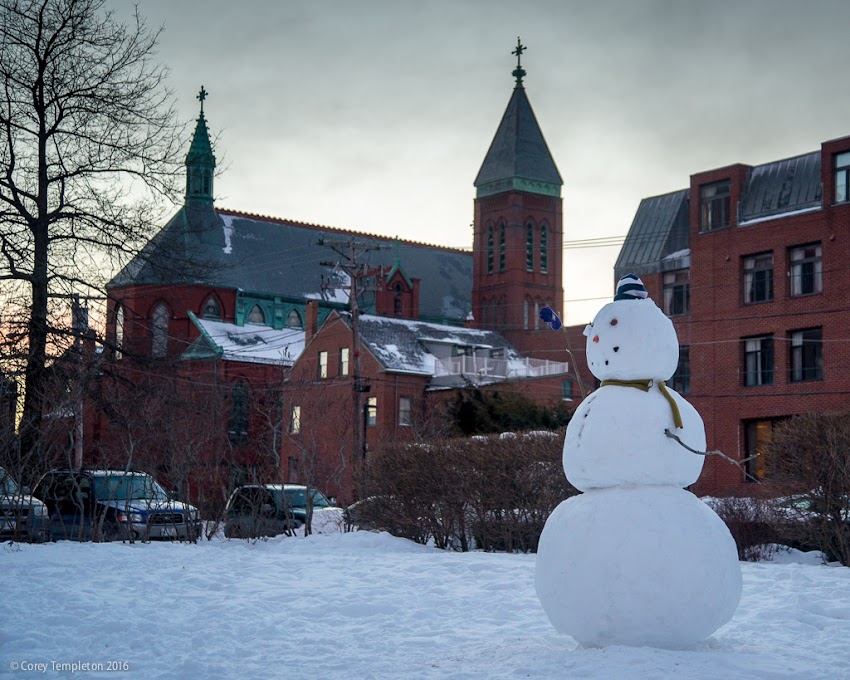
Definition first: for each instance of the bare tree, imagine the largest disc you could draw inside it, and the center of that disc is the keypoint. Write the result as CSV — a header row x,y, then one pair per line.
x,y
88,145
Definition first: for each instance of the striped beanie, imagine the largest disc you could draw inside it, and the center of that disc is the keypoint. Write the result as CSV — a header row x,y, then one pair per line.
x,y
630,287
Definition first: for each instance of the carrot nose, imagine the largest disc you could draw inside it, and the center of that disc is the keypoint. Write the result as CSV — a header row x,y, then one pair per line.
x,y
595,338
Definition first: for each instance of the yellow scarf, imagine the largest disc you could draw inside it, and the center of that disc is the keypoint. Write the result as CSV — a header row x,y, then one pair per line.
x,y
645,385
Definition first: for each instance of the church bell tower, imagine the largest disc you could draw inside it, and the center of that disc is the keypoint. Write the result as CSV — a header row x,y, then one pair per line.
x,y
517,228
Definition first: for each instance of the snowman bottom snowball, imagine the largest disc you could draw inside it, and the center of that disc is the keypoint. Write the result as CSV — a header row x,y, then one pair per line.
x,y
637,566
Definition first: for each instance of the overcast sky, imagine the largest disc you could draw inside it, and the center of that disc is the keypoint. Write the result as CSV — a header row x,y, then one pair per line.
x,y
375,115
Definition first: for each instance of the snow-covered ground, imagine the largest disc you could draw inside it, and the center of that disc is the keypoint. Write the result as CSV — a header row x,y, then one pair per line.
x,y
366,605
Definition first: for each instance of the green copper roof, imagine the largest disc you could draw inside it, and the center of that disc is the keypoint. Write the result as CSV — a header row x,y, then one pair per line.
x,y
200,152
518,158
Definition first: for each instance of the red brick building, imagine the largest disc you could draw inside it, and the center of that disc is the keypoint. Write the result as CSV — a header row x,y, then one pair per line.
x,y
237,305
751,263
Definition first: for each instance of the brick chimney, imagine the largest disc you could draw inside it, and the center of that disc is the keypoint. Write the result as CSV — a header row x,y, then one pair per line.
x,y
311,320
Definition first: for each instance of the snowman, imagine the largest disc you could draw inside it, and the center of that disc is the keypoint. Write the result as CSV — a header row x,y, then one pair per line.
x,y
635,559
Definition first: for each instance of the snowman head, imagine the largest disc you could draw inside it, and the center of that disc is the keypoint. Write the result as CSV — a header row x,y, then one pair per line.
x,y
630,338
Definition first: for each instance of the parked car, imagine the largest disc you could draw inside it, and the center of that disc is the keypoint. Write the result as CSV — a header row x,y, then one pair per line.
x,y
110,505
22,517
256,510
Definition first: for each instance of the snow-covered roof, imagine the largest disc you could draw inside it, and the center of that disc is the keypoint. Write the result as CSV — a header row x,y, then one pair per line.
x,y
251,343
402,345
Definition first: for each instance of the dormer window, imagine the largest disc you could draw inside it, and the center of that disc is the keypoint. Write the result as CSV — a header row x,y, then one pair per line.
x,y
211,309
714,205
293,319
256,315
397,306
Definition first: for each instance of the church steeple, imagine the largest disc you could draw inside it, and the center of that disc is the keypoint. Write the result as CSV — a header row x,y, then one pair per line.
x,y
518,158
517,228
200,161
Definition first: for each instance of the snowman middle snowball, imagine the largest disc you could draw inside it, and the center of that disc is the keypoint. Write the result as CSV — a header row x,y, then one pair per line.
x,y
629,341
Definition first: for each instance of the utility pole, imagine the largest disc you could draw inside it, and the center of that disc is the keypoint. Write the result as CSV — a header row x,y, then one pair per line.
x,y
349,250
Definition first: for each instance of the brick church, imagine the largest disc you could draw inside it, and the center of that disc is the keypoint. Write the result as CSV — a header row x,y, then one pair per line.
x,y
348,338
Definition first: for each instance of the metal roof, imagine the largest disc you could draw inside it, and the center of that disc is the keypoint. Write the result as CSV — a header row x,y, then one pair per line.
x,y
781,187
518,157
204,245
659,229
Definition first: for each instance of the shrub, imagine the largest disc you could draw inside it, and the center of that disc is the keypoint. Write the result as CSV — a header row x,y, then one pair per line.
x,y
808,459
753,523
489,493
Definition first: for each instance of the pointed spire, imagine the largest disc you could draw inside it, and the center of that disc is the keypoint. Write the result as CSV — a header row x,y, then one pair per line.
x,y
518,157
200,161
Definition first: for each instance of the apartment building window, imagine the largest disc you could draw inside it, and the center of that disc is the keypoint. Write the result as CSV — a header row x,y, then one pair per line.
x,y
758,361
490,249
323,365
757,436
295,419
681,380
372,411
807,355
544,249
714,204
343,361
405,412
842,177
758,278
806,269
529,247
677,293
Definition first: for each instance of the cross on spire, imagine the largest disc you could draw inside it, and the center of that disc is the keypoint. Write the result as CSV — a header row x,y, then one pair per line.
x,y
201,96
519,71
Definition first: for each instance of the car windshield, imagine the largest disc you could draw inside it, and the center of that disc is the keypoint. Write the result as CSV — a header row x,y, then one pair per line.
x,y
128,488
297,498
7,484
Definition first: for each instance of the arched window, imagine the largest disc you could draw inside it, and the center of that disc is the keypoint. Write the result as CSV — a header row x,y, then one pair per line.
x,y
397,307
256,315
501,247
293,319
490,249
544,249
211,309
119,330
529,247
159,331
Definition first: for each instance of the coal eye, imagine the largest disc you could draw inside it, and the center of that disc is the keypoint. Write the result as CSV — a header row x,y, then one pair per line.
x,y
613,322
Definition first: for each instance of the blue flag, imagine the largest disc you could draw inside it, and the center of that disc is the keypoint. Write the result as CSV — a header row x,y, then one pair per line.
x,y
547,315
